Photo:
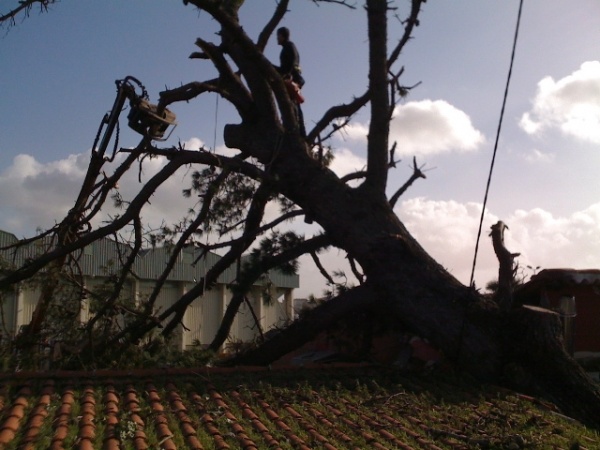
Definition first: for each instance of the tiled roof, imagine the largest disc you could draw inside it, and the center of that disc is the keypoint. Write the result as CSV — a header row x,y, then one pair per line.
x,y
335,408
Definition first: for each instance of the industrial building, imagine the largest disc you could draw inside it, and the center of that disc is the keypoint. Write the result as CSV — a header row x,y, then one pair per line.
x,y
202,318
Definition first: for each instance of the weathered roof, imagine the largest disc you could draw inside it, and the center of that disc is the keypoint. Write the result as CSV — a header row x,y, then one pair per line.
x,y
103,255
333,408
568,276
559,279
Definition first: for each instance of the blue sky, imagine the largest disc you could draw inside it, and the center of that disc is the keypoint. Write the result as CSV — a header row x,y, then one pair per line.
x,y
57,81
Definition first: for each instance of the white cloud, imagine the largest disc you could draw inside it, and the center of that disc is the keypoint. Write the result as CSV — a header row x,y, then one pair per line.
x,y
192,144
537,156
33,194
355,131
548,241
429,127
571,104
38,195
448,231
346,162
426,127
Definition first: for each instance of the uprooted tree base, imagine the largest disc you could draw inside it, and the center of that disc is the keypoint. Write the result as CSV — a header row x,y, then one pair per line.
x,y
533,359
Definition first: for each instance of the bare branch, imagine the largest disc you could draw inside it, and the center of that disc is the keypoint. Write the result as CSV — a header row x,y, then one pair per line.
x,y
24,6
347,110
354,176
309,246
255,318
359,276
317,261
135,206
337,112
303,330
208,158
410,23
417,173
267,31
228,85
338,2
259,230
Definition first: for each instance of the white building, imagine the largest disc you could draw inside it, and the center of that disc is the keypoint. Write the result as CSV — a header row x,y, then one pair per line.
x,y
202,317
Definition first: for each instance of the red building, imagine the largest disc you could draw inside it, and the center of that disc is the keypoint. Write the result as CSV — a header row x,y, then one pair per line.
x,y
575,295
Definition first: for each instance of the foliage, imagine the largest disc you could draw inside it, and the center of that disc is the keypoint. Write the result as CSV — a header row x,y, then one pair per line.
x,y
227,198
521,276
276,243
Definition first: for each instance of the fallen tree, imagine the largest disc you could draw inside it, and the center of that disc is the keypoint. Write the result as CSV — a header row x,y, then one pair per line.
x,y
276,161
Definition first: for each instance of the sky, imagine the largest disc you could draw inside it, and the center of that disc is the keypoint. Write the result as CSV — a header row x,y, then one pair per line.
x,y
57,74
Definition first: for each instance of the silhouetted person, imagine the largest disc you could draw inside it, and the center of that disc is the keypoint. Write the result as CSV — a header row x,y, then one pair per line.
x,y
289,68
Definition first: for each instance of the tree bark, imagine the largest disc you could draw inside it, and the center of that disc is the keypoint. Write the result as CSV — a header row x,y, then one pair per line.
x,y
379,127
303,330
407,284
506,271
535,342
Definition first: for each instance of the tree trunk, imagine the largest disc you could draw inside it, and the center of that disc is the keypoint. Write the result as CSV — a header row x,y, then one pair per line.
x,y
535,342
506,271
404,282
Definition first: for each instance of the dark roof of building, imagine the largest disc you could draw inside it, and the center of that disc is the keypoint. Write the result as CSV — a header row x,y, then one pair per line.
x,y
568,276
559,279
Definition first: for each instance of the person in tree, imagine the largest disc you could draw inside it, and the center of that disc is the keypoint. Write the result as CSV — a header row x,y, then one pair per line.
x,y
289,68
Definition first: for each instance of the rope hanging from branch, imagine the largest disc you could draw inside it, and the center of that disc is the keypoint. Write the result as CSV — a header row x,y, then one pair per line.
x,y
489,180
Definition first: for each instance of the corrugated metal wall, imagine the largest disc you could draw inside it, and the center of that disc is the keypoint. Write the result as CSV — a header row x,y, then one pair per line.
x,y
194,320
276,313
7,238
244,327
167,296
212,313
29,298
98,283
101,258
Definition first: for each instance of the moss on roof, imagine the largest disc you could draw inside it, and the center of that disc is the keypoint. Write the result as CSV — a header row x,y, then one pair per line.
x,y
332,408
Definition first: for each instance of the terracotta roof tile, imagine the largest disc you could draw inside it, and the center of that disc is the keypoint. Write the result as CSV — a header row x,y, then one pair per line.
x,y
360,407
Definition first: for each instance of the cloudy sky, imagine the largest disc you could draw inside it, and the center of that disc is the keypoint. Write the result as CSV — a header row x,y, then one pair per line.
x,y
57,82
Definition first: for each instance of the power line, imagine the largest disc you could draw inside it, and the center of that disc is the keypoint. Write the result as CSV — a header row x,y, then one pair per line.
x,y
489,180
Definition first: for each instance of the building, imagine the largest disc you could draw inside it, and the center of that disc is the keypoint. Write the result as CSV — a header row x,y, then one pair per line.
x,y
202,317
575,296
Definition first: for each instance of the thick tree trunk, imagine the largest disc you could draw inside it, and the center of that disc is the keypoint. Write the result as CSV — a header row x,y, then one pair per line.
x,y
308,328
535,348
407,284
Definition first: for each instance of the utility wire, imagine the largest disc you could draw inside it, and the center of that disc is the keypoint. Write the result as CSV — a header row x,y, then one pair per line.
x,y
214,148
489,180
